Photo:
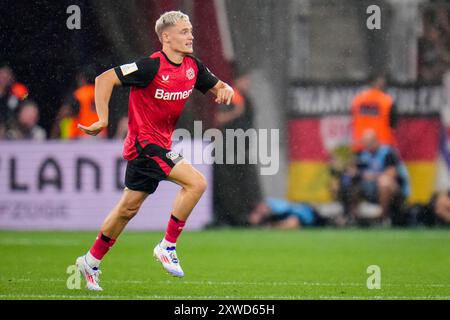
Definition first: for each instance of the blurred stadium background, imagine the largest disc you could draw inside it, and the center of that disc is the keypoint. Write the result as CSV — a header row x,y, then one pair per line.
x,y
306,59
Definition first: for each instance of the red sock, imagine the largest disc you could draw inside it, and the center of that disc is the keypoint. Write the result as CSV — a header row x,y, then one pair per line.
x,y
101,246
174,228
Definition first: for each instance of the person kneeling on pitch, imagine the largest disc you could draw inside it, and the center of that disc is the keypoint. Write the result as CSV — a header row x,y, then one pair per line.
x,y
160,86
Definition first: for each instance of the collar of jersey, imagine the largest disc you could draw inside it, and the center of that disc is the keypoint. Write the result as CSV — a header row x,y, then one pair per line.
x,y
168,60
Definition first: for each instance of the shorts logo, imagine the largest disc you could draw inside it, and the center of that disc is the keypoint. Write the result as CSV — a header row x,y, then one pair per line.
x,y
190,73
172,155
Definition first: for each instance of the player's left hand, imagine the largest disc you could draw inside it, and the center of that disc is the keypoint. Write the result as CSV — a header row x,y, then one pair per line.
x,y
224,95
94,129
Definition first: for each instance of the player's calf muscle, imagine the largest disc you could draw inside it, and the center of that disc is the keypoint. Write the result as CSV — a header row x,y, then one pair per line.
x,y
125,210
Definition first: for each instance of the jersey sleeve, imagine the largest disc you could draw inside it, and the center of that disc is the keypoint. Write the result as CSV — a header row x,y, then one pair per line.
x,y
139,73
205,78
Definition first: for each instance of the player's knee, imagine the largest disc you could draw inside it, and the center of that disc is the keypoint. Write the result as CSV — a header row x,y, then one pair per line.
x,y
199,185
202,184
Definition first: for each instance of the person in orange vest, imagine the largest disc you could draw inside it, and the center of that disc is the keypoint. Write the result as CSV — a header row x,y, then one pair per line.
x,y
84,97
374,109
78,106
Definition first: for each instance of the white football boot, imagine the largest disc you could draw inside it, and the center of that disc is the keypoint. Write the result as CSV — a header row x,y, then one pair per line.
x,y
168,258
90,274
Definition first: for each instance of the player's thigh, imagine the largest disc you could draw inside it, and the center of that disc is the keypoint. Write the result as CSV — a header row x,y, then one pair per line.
x,y
185,175
132,199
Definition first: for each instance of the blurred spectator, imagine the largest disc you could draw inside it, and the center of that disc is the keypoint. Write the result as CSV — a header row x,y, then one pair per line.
x,y
374,109
378,177
65,123
84,103
282,214
340,162
77,107
434,44
25,126
438,209
237,189
435,213
122,128
11,94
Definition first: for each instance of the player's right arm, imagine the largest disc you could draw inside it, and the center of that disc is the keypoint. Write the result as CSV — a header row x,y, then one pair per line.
x,y
104,85
138,74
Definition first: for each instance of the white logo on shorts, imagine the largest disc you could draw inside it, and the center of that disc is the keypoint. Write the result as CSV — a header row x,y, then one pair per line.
x,y
172,155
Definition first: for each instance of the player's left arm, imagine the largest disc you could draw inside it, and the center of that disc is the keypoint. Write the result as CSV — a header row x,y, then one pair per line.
x,y
223,92
208,82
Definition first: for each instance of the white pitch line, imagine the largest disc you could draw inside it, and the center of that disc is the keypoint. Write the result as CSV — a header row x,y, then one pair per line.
x,y
262,283
240,283
305,283
64,296
40,242
384,297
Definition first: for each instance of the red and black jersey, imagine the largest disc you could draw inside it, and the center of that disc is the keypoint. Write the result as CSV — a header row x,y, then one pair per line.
x,y
159,91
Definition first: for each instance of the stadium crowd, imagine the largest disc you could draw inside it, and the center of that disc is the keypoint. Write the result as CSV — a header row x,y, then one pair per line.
x,y
20,113
368,194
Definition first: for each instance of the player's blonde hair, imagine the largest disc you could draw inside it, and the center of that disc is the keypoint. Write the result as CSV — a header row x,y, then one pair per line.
x,y
168,19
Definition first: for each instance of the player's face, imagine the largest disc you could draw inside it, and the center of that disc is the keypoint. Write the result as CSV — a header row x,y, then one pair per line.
x,y
181,38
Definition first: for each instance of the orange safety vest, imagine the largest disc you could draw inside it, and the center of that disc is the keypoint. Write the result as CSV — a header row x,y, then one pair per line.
x,y
85,95
19,90
371,110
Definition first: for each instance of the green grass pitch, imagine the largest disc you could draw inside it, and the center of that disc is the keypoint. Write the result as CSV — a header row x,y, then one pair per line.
x,y
235,264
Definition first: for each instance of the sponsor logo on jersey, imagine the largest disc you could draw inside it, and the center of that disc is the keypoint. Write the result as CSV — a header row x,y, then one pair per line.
x,y
178,95
165,78
190,73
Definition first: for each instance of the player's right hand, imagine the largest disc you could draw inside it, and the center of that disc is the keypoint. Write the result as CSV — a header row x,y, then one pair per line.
x,y
94,129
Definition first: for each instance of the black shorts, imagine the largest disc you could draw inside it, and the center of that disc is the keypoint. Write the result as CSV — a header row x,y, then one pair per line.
x,y
152,165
